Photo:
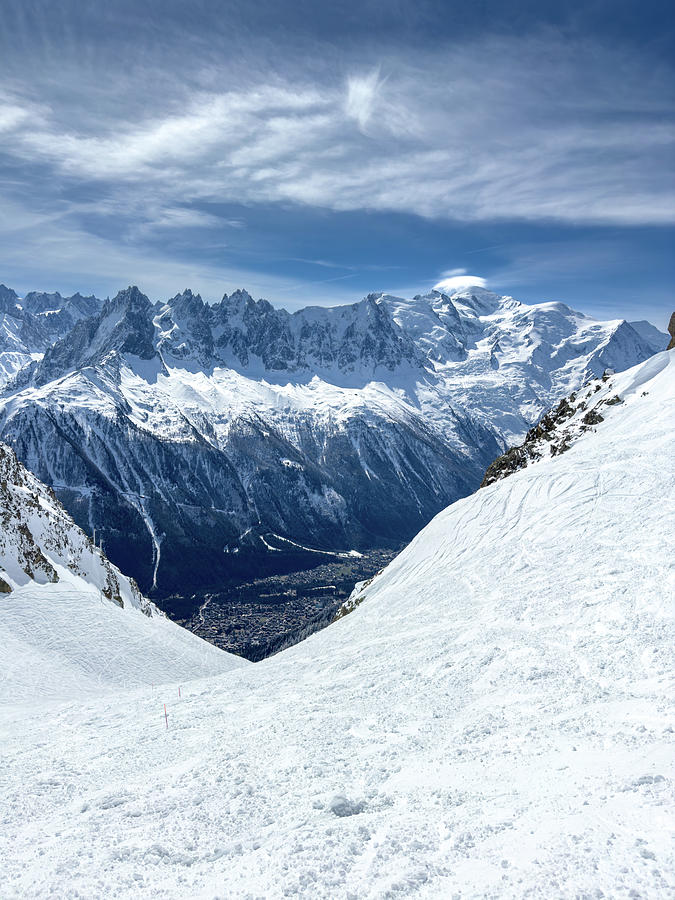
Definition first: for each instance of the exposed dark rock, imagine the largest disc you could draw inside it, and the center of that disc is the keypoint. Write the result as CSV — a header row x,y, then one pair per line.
x,y
592,417
555,432
36,535
671,332
35,563
8,300
509,462
547,429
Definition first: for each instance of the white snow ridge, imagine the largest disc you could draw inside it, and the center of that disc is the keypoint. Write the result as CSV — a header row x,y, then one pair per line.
x,y
493,719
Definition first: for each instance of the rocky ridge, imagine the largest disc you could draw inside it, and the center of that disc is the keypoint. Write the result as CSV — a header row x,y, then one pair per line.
x,y
30,325
40,543
558,429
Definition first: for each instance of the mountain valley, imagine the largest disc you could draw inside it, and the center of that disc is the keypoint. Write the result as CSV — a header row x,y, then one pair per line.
x,y
209,444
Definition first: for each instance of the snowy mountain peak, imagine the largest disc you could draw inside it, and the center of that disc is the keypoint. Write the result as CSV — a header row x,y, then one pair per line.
x,y
655,339
241,305
40,302
153,419
131,299
9,300
30,326
238,298
54,305
186,302
478,301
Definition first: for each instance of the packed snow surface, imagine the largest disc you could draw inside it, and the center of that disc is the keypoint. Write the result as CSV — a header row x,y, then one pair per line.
x,y
494,719
67,640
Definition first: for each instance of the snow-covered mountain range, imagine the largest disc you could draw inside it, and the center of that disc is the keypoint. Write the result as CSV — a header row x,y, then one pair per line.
x,y
31,324
72,624
206,441
493,719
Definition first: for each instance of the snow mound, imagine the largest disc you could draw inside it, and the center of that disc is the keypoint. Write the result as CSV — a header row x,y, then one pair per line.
x,y
64,642
500,702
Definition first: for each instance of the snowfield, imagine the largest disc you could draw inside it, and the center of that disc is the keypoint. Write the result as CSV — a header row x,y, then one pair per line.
x,y
66,640
494,719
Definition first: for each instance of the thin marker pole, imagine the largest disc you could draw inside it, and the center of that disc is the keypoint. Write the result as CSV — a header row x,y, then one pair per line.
x,y
166,718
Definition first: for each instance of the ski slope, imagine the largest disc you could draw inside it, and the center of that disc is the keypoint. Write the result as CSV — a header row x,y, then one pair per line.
x,y
494,719
67,641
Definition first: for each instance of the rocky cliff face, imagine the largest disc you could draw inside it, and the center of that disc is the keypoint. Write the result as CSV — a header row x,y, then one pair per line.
x,y
204,442
671,332
242,332
558,429
30,325
40,543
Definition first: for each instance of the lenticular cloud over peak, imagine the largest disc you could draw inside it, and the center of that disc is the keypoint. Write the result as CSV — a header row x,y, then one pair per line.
x,y
459,282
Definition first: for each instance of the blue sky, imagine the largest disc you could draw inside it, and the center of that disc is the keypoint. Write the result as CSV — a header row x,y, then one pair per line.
x,y
315,152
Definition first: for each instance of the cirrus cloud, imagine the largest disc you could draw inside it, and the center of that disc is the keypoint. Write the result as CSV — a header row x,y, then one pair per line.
x,y
538,134
181,156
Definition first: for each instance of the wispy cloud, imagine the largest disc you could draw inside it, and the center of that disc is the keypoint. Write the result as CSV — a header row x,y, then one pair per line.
x,y
77,260
494,130
175,149
362,94
180,217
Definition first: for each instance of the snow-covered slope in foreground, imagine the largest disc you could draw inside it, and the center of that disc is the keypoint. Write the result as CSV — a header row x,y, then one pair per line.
x,y
71,624
494,719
